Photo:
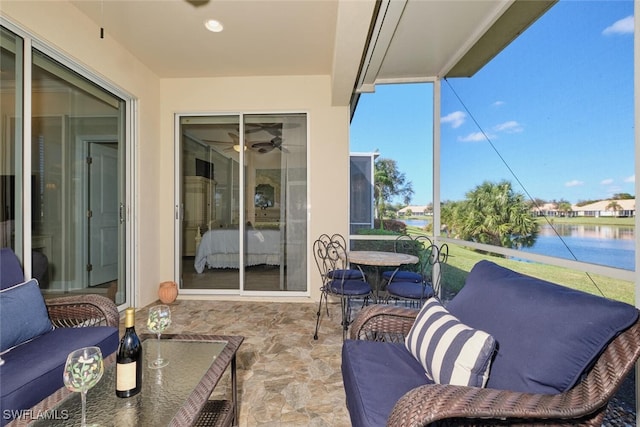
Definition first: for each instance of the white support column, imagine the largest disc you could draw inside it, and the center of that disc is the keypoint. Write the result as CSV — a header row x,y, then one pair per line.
x,y
636,79
437,100
26,160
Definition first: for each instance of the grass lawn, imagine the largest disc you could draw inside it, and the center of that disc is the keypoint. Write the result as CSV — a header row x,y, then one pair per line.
x,y
462,259
589,221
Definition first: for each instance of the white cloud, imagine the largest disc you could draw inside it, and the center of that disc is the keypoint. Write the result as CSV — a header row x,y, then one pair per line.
x,y
456,119
498,103
473,137
509,127
622,26
607,181
574,183
630,179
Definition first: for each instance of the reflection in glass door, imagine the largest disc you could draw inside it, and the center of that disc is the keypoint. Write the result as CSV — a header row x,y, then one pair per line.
x,y
11,148
210,201
62,171
77,152
243,232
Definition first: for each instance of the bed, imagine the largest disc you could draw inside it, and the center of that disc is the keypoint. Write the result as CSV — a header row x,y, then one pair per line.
x,y
219,248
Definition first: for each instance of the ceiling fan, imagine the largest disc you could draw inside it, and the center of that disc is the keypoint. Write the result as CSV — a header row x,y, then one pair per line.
x,y
275,129
226,145
197,3
261,147
266,146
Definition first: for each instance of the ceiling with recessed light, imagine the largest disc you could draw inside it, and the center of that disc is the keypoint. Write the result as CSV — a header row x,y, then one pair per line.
x,y
358,43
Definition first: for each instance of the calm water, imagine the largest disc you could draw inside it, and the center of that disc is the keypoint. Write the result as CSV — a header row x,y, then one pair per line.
x,y
609,245
415,222
598,244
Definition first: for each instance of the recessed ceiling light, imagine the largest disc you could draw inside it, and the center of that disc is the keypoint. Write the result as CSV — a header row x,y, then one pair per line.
x,y
213,25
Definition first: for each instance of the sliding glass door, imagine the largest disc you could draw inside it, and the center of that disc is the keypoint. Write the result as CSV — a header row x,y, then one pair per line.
x,y
11,146
62,174
243,229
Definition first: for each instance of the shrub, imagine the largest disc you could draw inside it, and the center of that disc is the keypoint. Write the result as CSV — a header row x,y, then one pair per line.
x,y
392,225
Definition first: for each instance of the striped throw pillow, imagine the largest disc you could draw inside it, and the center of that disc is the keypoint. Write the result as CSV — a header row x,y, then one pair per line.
x,y
450,351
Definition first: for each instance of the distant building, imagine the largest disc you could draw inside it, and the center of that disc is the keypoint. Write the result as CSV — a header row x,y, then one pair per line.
x,y
604,208
415,210
607,208
547,209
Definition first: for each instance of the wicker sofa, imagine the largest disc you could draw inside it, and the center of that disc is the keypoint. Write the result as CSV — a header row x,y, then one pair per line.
x,y
37,336
560,356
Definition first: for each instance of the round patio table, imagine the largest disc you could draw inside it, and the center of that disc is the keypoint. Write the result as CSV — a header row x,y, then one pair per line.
x,y
379,259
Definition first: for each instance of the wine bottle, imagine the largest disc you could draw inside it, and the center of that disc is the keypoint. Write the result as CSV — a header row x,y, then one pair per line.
x,y
129,359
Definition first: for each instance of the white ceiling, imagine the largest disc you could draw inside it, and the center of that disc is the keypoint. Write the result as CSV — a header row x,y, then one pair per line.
x,y
260,37
411,40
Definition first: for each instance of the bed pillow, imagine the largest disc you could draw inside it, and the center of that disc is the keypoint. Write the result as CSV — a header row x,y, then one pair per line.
x,y
450,351
23,314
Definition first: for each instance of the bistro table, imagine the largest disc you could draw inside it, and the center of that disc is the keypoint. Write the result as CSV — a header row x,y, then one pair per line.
x,y
378,260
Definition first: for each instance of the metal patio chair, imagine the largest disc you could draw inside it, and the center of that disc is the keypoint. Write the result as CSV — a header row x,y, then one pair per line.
x,y
408,245
421,287
338,278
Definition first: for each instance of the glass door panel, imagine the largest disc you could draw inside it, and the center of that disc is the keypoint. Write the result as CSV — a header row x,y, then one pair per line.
x,y
210,226
275,202
269,209
11,203
77,155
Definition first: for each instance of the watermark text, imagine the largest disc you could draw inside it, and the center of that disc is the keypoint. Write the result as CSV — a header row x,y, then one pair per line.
x,y
32,415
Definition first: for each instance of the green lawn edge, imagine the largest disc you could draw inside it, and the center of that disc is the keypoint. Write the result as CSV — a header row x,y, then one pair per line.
x,y
462,259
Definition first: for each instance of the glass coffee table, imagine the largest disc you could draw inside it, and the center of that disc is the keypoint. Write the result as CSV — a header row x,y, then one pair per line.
x,y
175,395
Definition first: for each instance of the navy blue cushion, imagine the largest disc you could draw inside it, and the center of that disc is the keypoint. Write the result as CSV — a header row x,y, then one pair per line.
x,y
547,335
23,314
350,274
349,287
402,276
10,269
33,371
410,290
376,375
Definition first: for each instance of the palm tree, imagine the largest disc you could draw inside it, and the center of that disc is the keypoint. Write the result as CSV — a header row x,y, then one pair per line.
x,y
613,206
388,182
563,207
494,214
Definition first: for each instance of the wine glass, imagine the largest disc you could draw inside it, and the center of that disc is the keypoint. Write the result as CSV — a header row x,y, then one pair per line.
x,y
159,319
83,370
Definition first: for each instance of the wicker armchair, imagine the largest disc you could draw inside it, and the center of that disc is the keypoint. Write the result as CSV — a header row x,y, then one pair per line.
x,y
584,404
82,310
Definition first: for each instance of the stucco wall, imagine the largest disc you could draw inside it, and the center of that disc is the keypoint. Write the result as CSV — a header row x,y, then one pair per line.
x,y
328,140
61,26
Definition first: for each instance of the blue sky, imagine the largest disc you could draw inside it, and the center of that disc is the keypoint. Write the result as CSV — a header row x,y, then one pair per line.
x,y
556,106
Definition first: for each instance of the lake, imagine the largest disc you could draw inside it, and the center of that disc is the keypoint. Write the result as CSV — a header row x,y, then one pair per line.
x,y
609,245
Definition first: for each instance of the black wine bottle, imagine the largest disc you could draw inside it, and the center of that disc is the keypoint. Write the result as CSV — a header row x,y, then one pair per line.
x,y
129,359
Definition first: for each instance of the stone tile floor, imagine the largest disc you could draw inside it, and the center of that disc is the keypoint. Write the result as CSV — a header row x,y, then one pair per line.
x,y
285,377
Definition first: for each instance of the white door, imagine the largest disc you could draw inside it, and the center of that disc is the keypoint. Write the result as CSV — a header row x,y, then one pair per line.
x,y
102,213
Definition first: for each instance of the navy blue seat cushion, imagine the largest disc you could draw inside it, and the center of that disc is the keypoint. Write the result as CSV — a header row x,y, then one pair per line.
x,y
410,290
350,287
23,314
376,375
33,370
547,335
348,274
402,276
